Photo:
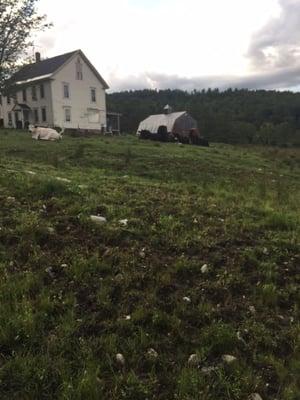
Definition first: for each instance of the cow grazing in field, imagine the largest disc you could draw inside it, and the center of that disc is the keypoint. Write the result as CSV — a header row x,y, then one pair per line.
x,y
42,133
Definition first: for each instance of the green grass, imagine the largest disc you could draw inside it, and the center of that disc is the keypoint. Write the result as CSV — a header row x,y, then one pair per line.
x,y
73,294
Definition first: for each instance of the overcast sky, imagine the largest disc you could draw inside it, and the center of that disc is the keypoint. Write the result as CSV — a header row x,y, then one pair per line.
x,y
184,44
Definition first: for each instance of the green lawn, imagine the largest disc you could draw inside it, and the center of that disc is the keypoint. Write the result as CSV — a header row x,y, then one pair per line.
x,y
74,294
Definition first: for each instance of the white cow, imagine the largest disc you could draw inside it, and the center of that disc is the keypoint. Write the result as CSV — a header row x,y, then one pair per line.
x,y
42,133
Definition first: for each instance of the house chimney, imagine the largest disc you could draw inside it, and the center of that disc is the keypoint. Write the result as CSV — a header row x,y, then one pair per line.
x,y
37,57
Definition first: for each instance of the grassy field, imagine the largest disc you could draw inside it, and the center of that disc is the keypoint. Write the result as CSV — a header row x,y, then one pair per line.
x,y
207,265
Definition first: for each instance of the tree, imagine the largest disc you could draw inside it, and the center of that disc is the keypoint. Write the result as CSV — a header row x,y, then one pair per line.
x,y
19,19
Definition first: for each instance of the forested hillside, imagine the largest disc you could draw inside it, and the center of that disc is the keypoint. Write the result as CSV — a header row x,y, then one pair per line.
x,y
233,116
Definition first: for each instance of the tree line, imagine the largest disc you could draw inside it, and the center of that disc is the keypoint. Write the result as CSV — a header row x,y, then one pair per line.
x,y
231,116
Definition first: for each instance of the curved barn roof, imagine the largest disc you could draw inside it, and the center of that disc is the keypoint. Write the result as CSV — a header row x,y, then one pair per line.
x,y
153,122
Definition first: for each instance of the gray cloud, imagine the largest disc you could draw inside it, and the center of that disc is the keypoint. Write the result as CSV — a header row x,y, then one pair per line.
x,y
286,78
274,53
277,44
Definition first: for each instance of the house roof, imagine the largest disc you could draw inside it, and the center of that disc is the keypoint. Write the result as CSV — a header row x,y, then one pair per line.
x,y
153,122
46,68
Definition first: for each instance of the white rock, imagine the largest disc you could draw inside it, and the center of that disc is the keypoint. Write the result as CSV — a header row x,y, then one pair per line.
x,y
187,299
58,178
265,251
252,309
128,318
51,230
30,172
142,253
194,360
64,265
204,269
255,396
123,222
98,219
208,370
11,198
228,358
120,359
152,354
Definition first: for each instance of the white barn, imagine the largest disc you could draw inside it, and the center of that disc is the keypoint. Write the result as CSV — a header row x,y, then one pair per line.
x,y
63,91
177,124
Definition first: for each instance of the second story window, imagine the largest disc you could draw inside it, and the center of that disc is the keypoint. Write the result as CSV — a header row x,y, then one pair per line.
x,y
93,95
8,99
33,93
79,75
24,95
66,89
42,91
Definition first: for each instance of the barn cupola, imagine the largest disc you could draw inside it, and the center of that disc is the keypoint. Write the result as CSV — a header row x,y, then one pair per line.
x,y
168,109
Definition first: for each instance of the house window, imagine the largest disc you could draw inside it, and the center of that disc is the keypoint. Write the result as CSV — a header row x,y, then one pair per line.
x,y
79,75
33,93
42,91
67,114
36,115
9,119
8,99
24,95
93,95
44,114
66,89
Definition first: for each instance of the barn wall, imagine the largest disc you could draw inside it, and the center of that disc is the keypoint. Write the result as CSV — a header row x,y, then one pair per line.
x,y
184,124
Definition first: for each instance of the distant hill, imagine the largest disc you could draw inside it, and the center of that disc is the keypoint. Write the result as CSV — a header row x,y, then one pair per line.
x,y
232,116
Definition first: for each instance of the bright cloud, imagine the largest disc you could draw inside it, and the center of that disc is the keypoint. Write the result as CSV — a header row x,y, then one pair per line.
x,y
178,43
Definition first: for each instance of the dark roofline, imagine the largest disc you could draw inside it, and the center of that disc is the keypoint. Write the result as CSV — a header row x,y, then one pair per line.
x,y
66,57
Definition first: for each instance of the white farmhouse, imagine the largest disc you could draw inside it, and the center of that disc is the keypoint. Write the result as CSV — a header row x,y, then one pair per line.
x,y
64,91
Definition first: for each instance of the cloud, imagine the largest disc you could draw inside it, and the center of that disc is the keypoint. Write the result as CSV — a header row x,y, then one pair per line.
x,y
277,44
285,79
274,53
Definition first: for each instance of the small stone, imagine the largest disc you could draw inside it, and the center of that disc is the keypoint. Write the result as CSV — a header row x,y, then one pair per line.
x,y
119,278
204,269
11,198
255,396
120,360
51,230
30,172
128,317
252,309
123,222
98,219
187,299
64,265
265,251
209,370
228,359
152,354
142,253
194,360
58,178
